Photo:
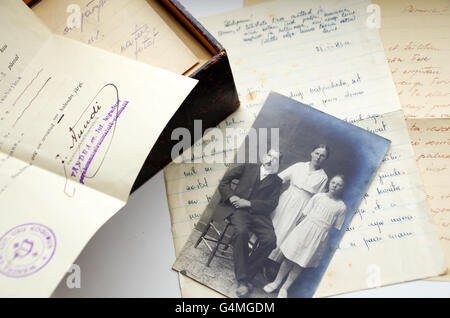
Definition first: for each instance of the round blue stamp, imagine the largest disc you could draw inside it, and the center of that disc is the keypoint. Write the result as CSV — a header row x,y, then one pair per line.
x,y
26,249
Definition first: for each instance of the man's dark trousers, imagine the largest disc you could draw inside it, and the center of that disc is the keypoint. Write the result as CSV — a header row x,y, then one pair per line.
x,y
263,196
245,266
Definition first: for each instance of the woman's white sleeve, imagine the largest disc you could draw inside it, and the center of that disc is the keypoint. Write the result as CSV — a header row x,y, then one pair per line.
x,y
286,174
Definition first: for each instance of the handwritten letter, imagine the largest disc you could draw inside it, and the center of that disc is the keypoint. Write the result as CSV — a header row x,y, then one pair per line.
x,y
416,38
431,140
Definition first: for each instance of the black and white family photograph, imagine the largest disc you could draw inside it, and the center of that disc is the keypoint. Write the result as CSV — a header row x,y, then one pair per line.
x,y
272,226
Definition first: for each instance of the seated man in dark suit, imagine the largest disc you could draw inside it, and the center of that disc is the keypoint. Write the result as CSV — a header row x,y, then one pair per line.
x,y
249,207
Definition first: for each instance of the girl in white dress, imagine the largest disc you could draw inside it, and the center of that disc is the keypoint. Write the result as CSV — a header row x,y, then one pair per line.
x,y
306,244
306,179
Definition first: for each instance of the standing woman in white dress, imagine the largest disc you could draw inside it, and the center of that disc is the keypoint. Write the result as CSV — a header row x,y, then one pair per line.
x,y
305,245
306,179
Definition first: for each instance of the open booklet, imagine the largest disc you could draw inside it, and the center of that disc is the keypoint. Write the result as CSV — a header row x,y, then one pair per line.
x,y
76,124
330,56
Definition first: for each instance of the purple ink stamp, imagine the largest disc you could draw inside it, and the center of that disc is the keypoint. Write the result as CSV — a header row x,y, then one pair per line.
x,y
26,249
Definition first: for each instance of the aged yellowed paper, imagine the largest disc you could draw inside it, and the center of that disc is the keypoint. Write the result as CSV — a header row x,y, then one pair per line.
x,y
73,136
431,140
130,28
416,38
338,67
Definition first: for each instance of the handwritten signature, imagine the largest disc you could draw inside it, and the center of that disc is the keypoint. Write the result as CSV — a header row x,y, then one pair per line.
x,y
142,38
82,135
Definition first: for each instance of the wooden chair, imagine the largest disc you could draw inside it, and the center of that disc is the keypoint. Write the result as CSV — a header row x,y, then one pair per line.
x,y
219,238
222,244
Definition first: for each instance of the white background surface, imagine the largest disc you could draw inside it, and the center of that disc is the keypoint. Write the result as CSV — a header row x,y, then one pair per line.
x,y
132,254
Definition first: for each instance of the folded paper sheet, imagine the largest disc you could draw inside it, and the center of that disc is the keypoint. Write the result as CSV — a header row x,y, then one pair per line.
x,y
416,38
327,56
76,125
130,28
